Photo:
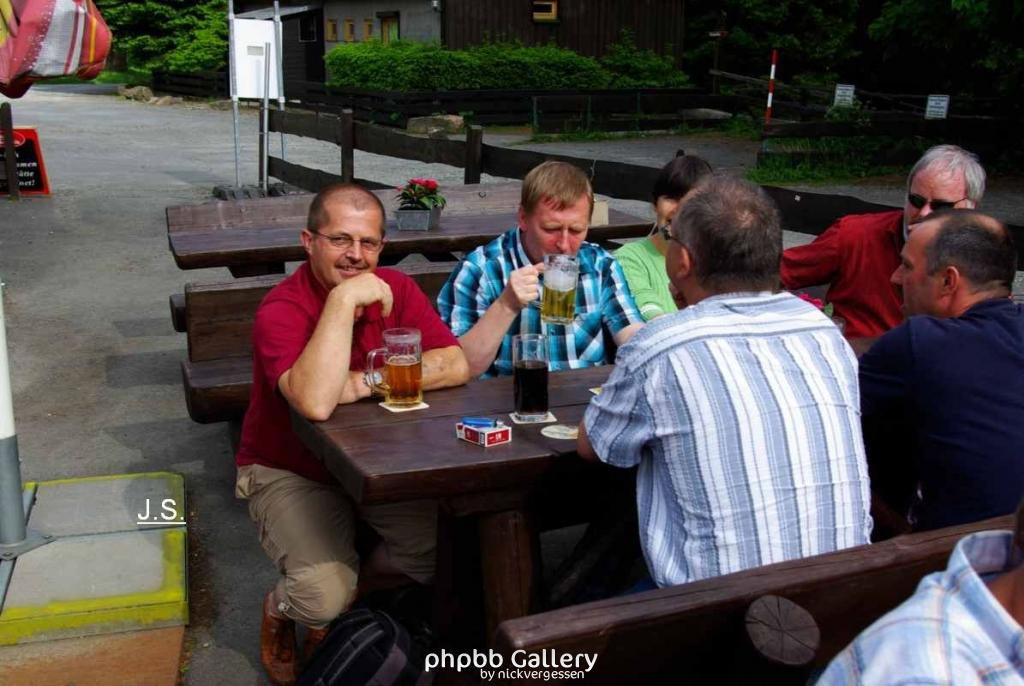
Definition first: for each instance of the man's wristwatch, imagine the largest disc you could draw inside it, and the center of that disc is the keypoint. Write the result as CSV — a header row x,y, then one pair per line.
x,y
372,379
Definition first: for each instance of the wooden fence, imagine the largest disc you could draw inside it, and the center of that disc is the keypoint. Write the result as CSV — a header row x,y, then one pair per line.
x,y
801,211
207,84
549,111
623,111
9,170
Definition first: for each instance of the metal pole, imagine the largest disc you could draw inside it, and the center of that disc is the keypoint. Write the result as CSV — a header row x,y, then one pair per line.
x,y
266,115
279,59
15,539
12,516
231,85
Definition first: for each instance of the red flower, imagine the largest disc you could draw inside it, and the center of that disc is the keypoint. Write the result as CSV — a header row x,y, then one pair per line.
x,y
814,301
430,184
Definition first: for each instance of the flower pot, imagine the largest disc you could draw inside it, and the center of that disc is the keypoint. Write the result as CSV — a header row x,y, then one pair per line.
x,y
418,220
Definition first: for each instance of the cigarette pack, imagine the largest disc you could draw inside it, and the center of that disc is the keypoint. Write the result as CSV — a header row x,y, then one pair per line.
x,y
486,436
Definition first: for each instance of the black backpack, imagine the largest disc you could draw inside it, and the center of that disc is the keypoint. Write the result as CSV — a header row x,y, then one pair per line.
x,y
365,647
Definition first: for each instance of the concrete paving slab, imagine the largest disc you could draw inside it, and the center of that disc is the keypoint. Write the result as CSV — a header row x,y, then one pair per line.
x,y
105,583
106,504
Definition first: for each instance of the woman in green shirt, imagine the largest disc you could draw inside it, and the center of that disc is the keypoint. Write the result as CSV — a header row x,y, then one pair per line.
x,y
643,261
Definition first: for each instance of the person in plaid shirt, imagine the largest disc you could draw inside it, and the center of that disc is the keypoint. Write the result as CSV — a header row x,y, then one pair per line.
x,y
961,626
487,299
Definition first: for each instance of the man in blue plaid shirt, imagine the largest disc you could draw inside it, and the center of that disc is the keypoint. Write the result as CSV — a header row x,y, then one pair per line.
x,y
487,298
961,626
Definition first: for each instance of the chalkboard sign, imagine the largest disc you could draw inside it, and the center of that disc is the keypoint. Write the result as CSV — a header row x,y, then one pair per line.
x,y
32,178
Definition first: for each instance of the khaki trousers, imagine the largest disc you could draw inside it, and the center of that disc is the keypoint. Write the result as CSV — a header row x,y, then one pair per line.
x,y
308,529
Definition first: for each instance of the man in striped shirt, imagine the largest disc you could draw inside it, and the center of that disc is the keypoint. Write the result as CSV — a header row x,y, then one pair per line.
x,y
492,295
741,410
961,626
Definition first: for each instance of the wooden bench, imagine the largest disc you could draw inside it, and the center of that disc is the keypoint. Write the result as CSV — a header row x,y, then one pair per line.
x,y
694,632
218,320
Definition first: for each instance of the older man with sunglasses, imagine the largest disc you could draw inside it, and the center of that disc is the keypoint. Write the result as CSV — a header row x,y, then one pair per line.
x,y
857,255
310,340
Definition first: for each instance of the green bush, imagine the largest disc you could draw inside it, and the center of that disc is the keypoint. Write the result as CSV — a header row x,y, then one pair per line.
x,y
631,67
510,65
403,65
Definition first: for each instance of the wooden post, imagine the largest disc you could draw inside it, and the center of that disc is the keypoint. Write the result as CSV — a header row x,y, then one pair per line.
x,y
264,134
474,153
348,140
508,561
11,159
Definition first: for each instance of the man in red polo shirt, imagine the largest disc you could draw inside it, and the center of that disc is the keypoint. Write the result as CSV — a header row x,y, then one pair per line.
x,y
310,340
857,255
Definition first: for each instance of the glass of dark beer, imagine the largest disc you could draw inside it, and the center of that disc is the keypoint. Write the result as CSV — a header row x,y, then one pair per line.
x,y
530,375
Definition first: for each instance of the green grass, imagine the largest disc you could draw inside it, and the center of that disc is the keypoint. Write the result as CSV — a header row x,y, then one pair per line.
x,y
741,127
131,77
782,171
584,136
836,159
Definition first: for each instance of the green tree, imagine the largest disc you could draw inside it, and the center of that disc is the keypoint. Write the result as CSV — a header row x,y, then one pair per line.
x,y
959,46
173,34
814,37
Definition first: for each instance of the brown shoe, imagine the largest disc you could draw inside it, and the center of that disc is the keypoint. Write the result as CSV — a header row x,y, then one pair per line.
x,y
277,646
314,637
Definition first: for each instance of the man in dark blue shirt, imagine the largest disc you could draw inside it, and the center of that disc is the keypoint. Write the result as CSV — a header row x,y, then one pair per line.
x,y
942,395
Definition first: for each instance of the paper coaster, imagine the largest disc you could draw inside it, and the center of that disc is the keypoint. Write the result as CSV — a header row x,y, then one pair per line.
x,y
546,419
404,408
561,431
596,390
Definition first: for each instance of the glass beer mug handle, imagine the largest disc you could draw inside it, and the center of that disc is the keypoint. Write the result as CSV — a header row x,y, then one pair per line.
x,y
376,389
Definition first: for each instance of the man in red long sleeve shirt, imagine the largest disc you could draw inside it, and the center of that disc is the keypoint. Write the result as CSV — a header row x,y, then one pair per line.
x,y
857,255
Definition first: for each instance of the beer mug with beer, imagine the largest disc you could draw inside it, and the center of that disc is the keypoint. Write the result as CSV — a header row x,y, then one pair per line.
x,y
530,375
402,383
561,272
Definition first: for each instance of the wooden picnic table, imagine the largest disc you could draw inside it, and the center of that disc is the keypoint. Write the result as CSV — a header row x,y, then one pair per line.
x,y
258,236
381,457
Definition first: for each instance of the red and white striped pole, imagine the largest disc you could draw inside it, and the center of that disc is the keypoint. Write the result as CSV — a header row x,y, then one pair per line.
x,y
771,87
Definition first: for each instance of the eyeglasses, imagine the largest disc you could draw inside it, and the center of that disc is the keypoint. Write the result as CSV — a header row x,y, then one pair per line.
x,y
343,241
919,201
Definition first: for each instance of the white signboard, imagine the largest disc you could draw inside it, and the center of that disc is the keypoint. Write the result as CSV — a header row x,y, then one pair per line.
x,y
937,107
844,95
252,37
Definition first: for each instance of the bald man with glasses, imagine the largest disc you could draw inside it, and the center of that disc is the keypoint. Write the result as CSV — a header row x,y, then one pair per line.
x,y
310,340
857,255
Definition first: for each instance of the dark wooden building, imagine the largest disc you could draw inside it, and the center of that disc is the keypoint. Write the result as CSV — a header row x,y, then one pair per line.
x,y
586,26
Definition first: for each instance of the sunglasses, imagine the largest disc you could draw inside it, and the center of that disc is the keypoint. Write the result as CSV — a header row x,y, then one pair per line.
x,y
919,201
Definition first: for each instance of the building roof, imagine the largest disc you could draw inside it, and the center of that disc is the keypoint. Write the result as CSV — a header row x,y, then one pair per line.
x,y
268,12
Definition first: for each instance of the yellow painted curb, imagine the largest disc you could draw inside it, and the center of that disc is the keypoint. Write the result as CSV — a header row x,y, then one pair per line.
x,y
165,606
